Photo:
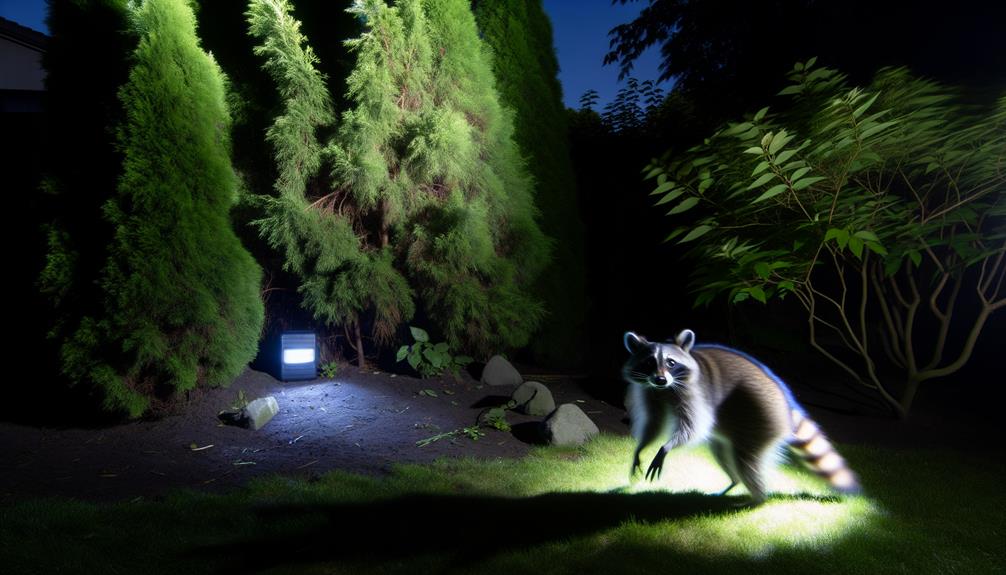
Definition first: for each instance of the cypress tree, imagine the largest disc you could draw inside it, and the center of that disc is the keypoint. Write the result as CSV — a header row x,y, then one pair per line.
x,y
421,191
526,70
178,302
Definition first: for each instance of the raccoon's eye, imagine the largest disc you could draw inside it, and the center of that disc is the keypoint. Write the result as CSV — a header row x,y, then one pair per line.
x,y
670,362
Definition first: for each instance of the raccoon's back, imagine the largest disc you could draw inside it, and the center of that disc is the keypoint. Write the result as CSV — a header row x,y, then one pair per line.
x,y
728,371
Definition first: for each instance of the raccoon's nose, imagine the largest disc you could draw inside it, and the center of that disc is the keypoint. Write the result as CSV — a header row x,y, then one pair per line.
x,y
659,380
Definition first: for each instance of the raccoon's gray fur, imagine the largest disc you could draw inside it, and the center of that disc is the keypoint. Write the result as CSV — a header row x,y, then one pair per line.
x,y
715,393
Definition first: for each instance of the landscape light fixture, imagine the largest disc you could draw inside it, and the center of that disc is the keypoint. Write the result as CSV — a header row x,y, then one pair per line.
x,y
298,355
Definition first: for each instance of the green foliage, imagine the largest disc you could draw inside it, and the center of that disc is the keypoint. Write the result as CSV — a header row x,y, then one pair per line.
x,y
329,369
82,164
473,432
495,417
863,184
526,69
241,402
178,303
430,359
420,192
631,106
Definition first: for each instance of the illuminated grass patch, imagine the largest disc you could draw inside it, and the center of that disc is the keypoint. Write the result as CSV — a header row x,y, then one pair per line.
x,y
559,510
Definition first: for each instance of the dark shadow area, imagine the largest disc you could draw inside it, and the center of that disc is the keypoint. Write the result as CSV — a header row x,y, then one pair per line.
x,y
531,432
471,528
491,401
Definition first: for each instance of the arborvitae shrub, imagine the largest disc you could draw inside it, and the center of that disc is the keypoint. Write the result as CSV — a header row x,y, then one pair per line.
x,y
526,70
421,193
178,301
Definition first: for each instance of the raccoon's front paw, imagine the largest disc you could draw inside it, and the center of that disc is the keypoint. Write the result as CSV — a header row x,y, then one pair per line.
x,y
636,470
656,466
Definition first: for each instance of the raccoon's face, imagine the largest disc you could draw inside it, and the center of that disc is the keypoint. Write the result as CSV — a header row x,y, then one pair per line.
x,y
660,365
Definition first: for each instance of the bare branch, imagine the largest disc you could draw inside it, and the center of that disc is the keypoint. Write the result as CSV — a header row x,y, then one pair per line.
x,y
995,268
945,318
894,335
965,355
897,291
910,325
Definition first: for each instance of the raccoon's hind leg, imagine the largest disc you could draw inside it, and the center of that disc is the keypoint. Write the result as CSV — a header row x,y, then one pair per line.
x,y
723,452
753,463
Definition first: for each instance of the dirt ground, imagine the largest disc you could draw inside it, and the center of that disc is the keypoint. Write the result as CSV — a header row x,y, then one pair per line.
x,y
359,421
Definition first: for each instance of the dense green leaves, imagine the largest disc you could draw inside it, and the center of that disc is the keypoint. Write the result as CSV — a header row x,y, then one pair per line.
x,y
179,298
861,203
889,170
419,196
525,66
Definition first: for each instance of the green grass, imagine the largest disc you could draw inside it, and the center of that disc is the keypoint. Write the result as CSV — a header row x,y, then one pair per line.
x,y
555,511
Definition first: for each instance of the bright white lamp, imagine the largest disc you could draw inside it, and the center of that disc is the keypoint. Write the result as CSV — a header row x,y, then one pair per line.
x,y
298,355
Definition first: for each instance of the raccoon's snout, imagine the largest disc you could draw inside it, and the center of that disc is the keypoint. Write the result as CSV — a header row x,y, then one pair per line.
x,y
659,381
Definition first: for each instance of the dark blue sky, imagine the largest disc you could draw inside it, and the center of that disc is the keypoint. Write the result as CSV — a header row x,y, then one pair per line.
x,y
581,29
581,40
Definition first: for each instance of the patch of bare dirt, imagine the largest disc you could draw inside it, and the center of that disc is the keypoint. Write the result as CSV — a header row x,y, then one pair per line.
x,y
359,421
364,422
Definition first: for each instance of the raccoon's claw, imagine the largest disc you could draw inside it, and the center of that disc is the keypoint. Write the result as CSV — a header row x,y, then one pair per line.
x,y
636,470
656,466
727,490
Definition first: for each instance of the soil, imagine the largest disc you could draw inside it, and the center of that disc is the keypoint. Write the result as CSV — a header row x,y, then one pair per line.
x,y
361,422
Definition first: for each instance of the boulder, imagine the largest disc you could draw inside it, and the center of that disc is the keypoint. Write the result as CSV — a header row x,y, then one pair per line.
x,y
498,371
260,411
569,425
533,398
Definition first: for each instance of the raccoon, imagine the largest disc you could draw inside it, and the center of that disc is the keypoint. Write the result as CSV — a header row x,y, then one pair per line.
x,y
714,393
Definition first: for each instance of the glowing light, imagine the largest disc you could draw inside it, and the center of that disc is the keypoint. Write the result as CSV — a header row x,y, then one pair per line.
x,y
800,512
297,356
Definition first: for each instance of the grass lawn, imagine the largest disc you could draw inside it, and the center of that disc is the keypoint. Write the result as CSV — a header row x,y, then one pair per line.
x,y
555,511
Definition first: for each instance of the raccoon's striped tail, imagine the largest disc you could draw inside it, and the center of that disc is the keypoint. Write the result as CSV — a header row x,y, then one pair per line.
x,y
820,455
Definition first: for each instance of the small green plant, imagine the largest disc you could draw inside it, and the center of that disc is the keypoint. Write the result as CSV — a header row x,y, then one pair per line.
x,y
473,432
495,418
241,402
430,359
329,369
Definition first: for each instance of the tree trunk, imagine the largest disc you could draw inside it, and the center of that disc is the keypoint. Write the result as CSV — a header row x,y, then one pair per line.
x,y
907,397
360,361
383,207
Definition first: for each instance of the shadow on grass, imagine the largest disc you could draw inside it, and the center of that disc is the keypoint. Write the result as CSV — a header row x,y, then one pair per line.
x,y
466,528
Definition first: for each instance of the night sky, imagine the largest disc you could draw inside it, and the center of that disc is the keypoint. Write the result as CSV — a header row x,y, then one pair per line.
x,y
581,39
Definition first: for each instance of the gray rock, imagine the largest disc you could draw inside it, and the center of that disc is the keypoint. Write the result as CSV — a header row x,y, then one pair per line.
x,y
533,398
569,425
260,411
498,371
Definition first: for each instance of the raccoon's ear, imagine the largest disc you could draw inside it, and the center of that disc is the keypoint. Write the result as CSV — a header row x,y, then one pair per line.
x,y
633,342
686,339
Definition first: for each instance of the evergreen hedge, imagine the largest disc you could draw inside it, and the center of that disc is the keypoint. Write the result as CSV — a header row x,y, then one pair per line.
x,y
177,301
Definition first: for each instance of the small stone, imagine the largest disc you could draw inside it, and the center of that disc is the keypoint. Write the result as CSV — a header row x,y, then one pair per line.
x,y
260,411
569,425
498,371
533,398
